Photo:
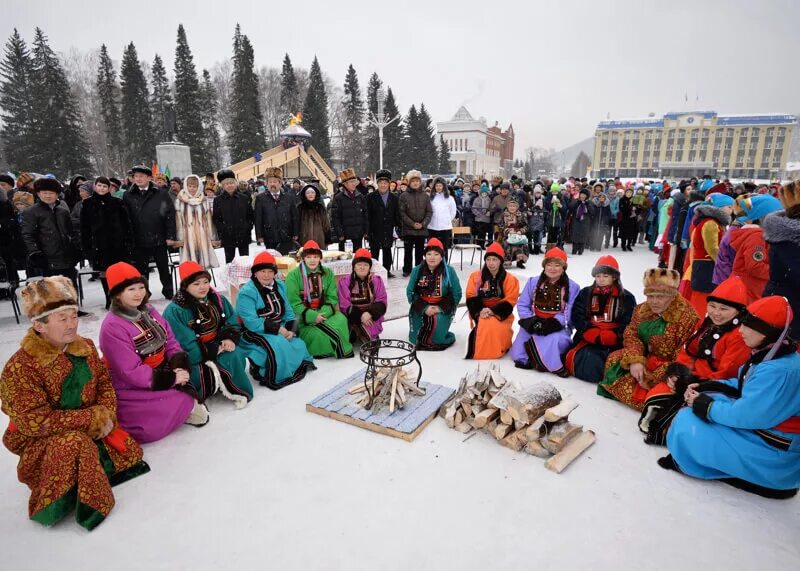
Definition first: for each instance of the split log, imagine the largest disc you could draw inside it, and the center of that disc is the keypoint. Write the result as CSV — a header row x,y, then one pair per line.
x,y
535,448
502,430
571,451
559,435
486,416
560,411
463,427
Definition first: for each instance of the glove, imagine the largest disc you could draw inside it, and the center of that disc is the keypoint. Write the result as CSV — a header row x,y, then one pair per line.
x,y
530,324
608,338
550,325
163,379
592,335
702,406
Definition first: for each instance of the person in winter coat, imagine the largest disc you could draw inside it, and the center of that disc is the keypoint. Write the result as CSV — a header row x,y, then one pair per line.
x,y
362,298
545,310
349,211
715,351
149,369
232,216
415,215
499,204
152,214
536,225
600,314
205,324
782,233
11,245
195,229
629,219
85,190
72,194
726,254
482,213
314,222
106,231
554,221
745,430
50,239
614,197
444,210
514,229
383,217
581,222
465,210
276,220
600,215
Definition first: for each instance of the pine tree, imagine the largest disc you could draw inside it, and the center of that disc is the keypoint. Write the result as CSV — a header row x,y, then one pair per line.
x,y
15,104
188,109
58,138
412,147
428,157
393,137
354,121
371,139
209,113
246,136
290,94
315,112
108,94
444,156
137,128
160,100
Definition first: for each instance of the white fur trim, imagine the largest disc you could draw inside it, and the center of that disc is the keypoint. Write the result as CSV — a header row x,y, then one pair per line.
x,y
238,400
52,311
199,415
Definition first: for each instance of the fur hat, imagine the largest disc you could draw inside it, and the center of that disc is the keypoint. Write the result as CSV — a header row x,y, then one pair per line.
x,y
311,247
274,172
225,174
731,292
47,296
790,194
412,174
362,255
190,271
122,275
25,178
495,249
658,280
434,244
115,182
22,198
347,174
383,174
555,255
264,261
7,178
771,316
142,169
46,183
606,265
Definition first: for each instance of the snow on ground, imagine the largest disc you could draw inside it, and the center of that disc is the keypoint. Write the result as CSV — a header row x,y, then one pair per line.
x,y
275,487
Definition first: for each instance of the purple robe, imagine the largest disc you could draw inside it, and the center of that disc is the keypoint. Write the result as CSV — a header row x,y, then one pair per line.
x,y
145,414
723,266
345,302
550,348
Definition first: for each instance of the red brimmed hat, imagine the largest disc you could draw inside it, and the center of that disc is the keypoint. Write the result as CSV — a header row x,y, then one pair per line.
x,y
606,265
770,316
495,249
121,275
264,261
362,255
731,292
434,244
190,271
311,247
555,254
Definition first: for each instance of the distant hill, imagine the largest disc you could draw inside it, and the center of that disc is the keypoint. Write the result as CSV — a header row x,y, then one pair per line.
x,y
564,158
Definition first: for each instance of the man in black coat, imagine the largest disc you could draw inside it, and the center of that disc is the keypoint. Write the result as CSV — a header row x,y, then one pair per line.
x,y
47,232
383,216
276,219
9,228
152,215
349,211
233,216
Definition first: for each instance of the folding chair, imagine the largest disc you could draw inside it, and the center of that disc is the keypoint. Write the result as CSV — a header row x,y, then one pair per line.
x,y
461,233
396,247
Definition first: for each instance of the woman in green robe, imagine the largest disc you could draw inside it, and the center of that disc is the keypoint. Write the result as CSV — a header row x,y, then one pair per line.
x,y
206,326
312,293
433,292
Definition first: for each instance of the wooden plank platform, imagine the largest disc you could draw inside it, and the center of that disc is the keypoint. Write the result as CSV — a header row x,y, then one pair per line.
x,y
405,423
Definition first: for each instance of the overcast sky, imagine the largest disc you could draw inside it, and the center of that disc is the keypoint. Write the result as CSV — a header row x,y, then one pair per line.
x,y
553,69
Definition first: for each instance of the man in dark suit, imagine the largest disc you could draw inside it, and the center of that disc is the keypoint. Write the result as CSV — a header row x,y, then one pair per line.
x,y
383,216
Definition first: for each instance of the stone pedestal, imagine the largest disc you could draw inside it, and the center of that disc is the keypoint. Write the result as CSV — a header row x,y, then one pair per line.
x,y
176,157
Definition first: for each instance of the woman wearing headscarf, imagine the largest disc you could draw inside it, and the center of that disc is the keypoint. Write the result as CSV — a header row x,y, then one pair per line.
x,y
195,228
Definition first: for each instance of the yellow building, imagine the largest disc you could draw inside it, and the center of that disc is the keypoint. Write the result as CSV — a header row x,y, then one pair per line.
x,y
683,145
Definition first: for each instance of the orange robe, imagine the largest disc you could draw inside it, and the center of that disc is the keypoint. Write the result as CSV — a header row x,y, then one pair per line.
x,y
491,337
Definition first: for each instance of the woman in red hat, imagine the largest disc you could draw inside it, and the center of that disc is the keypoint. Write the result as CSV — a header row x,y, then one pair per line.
x,y
600,315
715,351
206,326
745,430
659,328
545,309
149,369
362,298
311,289
492,294
278,356
434,292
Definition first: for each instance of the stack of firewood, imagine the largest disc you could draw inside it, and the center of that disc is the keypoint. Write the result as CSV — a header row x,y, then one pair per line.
x,y
392,387
531,418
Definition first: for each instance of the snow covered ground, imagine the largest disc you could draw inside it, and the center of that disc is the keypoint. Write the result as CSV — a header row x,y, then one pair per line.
x,y
274,487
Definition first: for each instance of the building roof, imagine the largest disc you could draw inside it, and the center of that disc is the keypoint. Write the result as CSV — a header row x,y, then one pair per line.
x,y
724,120
462,115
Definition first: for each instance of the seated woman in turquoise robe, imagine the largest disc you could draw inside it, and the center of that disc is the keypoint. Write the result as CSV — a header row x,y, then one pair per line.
x,y
433,292
278,356
205,325
746,431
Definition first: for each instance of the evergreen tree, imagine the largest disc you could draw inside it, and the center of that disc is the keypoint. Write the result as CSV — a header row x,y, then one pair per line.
x,y
138,142
15,104
393,137
108,94
412,147
354,122
290,93
428,153
160,100
371,139
209,113
58,140
246,136
188,109
315,112
444,156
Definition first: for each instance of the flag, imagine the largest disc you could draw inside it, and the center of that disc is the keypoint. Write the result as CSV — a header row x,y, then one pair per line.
x,y
166,173
154,168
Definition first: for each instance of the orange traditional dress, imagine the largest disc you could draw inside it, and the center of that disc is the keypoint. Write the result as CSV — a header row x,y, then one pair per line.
x,y
491,337
58,401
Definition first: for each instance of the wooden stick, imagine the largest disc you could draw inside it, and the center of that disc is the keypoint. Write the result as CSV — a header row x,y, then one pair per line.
x,y
571,451
561,410
393,393
485,417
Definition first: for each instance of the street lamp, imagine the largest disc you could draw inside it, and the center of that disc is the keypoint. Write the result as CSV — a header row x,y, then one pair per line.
x,y
379,121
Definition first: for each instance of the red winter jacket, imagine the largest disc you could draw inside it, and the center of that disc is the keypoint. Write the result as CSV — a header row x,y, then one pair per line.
x,y
752,259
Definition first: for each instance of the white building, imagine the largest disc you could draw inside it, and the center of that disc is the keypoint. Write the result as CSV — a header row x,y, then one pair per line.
x,y
474,150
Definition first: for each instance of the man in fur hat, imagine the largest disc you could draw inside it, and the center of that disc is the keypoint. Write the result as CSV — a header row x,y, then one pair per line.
x,y
349,211
62,408
276,219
